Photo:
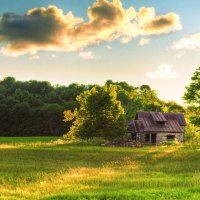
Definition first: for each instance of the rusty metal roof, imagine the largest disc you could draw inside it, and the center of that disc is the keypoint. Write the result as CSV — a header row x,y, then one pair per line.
x,y
158,117
158,122
176,116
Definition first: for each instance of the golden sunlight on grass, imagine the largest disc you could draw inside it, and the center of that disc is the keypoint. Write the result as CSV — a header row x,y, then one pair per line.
x,y
91,173
32,144
56,171
9,146
76,180
125,163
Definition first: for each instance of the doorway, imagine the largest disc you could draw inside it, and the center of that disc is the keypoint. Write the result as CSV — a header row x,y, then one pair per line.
x,y
153,138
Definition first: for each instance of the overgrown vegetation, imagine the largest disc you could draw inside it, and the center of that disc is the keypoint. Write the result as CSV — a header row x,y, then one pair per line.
x,y
39,170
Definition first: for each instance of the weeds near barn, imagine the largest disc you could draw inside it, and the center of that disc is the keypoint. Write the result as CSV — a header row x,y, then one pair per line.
x,y
45,169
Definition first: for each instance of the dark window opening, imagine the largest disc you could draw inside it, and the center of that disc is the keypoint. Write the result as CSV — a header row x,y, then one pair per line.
x,y
161,122
147,137
153,138
170,137
134,136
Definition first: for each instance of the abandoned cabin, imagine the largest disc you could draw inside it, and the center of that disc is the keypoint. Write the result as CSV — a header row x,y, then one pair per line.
x,y
155,127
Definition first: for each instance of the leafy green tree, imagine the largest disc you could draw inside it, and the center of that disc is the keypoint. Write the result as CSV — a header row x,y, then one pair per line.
x,y
33,108
192,134
148,99
51,114
192,97
100,114
128,96
172,106
135,99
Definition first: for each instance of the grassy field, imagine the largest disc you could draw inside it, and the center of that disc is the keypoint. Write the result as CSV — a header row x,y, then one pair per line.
x,y
48,169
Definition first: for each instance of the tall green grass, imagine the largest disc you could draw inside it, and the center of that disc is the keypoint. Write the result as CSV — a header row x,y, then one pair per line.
x,y
14,140
55,170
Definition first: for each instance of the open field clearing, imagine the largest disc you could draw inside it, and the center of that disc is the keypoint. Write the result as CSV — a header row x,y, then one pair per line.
x,y
47,168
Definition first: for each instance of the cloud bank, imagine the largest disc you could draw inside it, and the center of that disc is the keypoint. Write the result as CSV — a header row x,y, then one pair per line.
x,y
50,29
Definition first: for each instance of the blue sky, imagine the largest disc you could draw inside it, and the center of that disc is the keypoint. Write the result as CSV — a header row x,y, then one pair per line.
x,y
161,55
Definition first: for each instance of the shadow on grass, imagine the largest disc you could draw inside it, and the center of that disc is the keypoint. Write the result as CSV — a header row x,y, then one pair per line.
x,y
125,195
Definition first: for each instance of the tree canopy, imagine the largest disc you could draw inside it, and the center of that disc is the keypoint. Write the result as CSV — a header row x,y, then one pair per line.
x,y
192,94
100,114
33,108
192,97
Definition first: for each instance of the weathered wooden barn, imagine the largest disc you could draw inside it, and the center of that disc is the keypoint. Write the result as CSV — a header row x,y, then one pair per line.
x,y
156,127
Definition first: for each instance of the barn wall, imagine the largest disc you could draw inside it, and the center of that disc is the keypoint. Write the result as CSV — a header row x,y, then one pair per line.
x,y
162,137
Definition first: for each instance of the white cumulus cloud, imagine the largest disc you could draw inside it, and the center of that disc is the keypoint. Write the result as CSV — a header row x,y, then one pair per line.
x,y
87,55
108,47
163,72
52,29
190,42
144,41
34,57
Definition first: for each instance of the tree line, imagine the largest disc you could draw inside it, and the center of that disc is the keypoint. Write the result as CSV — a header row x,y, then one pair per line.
x,y
35,108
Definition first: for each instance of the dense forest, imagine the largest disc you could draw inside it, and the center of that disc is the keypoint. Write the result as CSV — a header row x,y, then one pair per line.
x,y
35,108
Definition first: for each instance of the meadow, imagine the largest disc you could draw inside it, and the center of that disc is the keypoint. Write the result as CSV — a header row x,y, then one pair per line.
x,y
47,168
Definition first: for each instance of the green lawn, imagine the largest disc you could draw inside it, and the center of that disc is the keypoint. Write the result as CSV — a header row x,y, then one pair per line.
x,y
43,168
